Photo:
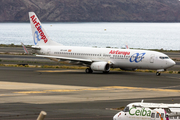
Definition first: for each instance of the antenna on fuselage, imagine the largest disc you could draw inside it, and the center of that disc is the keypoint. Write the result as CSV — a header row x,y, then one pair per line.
x,y
142,101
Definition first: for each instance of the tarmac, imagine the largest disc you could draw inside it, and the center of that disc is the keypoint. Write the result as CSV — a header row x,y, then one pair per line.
x,y
73,94
67,94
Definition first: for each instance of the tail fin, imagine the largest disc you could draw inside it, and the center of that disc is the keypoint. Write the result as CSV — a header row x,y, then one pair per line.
x,y
40,36
127,47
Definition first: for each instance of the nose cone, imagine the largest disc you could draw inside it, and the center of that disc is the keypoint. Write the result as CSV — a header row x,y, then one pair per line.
x,y
171,63
116,116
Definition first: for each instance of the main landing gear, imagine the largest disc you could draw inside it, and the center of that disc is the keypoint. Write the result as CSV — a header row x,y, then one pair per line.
x,y
158,73
89,70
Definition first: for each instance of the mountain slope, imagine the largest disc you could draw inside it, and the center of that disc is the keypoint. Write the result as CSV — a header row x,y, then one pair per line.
x,y
91,10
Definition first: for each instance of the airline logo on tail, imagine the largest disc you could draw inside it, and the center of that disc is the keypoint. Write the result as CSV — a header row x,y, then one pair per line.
x,y
36,37
39,30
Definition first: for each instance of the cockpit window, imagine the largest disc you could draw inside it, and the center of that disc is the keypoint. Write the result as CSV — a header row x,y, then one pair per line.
x,y
126,109
163,57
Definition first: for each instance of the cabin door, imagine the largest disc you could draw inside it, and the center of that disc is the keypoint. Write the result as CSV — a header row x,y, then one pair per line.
x,y
49,51
153,116
152,58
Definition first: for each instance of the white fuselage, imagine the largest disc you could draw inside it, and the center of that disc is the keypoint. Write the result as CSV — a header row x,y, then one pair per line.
x,y
120,58
150,111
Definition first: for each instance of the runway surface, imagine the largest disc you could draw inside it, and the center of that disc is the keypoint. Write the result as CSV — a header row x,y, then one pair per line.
x,y
74,95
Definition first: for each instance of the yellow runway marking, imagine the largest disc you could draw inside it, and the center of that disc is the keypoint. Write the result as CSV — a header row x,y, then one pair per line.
x,y
57,70
101,88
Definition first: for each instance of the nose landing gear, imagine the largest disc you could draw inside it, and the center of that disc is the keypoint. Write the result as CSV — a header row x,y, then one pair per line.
x,y
158,73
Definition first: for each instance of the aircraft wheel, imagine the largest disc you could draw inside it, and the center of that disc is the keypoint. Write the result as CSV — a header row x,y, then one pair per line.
x,y
88,70
91,71
158,73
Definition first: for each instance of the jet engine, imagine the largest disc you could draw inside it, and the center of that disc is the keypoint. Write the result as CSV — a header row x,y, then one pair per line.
x,y
100,66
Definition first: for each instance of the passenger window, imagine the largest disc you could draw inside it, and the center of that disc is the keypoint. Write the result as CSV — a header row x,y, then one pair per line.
x,y
162,115
153,115
175,117
157,115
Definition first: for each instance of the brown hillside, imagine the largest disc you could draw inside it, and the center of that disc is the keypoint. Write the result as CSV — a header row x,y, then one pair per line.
x,y
91,10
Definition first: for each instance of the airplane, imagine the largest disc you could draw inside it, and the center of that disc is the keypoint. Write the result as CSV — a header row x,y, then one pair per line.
x,y
149,111
96,59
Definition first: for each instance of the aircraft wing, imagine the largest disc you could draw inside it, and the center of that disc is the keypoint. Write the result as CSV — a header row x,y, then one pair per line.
x,y
67,58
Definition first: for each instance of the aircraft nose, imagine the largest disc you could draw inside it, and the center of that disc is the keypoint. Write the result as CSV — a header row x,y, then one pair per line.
x,y
171,63
116,116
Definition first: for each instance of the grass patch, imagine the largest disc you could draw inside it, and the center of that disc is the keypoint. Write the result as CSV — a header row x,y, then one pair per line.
x,y
176,59
13,45
120,108
79,67
28,62
115,69
63,67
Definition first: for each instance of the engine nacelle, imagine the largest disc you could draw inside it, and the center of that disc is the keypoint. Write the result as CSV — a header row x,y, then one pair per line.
x,y
100,66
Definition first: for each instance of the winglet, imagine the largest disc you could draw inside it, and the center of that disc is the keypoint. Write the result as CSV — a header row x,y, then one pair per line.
x,y
25,50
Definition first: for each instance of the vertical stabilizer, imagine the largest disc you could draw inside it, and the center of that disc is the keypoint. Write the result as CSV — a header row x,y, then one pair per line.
x,y
40,36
